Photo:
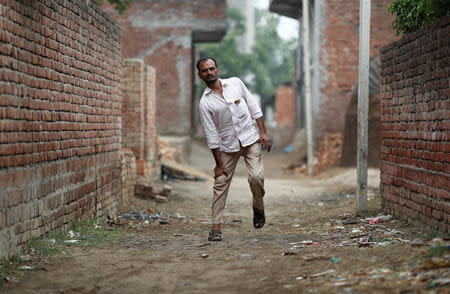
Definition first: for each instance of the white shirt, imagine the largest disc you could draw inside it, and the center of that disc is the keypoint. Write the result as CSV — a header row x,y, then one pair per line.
x,y
228,121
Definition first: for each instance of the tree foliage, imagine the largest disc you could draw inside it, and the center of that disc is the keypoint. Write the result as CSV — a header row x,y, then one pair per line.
x,y
119,5
273,59
411,15
271,62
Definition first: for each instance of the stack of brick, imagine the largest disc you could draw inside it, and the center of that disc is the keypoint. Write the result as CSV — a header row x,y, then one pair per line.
x,y
415,127
129,176
166,152
60,109
329,151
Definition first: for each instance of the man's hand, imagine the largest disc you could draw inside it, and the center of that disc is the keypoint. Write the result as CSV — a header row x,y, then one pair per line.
x,y
218,170
265,142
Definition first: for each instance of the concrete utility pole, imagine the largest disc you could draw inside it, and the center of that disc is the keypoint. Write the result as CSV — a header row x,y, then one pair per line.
x,y
298,106
306,49
363,104
315,58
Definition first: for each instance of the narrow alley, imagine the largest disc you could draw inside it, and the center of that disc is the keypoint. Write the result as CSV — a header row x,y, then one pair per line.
x,y
312,243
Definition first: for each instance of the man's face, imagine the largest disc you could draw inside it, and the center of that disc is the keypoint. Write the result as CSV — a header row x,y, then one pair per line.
x,y
208,72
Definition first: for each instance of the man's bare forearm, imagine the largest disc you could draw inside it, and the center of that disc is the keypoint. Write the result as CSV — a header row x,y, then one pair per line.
x,y
264,139
261,126
217,157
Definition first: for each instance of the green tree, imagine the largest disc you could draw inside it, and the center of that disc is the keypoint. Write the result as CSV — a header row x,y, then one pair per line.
x,y
273,58
411,15
119,5
271,62
231,62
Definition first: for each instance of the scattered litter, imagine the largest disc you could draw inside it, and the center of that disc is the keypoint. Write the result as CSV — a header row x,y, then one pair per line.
x,y
137,219
204,255
330,271
26,267
300,278
288,148
245,255
440,282
314,256
350,222
263,279
416,242
52,241
334,259
375,220
72,241
296,226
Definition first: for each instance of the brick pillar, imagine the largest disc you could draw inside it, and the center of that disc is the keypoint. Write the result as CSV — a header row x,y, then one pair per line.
x,y
133,106
149,115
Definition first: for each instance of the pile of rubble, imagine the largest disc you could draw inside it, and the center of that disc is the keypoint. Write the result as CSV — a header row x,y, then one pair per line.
x,y
143,189
328,154
140,218
166,152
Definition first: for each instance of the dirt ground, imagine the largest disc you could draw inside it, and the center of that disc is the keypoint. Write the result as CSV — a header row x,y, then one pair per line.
x,y
313,242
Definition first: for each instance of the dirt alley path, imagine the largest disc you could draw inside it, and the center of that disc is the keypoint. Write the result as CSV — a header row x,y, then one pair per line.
x,y
312,243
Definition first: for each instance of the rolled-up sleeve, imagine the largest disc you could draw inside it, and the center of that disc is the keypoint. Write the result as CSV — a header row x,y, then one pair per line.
x,y
253,107
206,119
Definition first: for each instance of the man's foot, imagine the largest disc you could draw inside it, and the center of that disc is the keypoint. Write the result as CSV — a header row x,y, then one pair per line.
x,y
215,235
259,218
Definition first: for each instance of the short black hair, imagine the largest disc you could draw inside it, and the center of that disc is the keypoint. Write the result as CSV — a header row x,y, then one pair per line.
x,y
204,59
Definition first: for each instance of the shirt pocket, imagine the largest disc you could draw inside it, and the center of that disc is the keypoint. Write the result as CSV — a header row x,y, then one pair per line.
x,y
239,108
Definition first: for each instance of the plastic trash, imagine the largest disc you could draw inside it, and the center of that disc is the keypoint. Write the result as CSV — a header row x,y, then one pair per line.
x,y
288,148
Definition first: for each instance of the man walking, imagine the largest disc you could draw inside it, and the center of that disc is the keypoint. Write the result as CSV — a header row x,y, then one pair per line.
x,y
227,110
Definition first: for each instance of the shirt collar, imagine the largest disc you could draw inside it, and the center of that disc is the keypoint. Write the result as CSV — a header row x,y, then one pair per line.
x,y
224,84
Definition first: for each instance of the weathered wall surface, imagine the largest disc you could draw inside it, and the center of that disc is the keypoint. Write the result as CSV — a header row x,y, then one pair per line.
x,y
129,175
60,108
284,115
162,32
339,57
415,127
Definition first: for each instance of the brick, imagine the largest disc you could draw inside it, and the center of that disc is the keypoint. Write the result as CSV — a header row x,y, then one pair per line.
x,y
60,115
414,129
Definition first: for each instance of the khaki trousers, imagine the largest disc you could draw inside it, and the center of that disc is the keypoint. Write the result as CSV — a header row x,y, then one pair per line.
x,y
254,163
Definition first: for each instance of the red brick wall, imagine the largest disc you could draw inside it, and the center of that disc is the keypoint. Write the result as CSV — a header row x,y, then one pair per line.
x,y
284,115
415,127
339,57
161,33
60,107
